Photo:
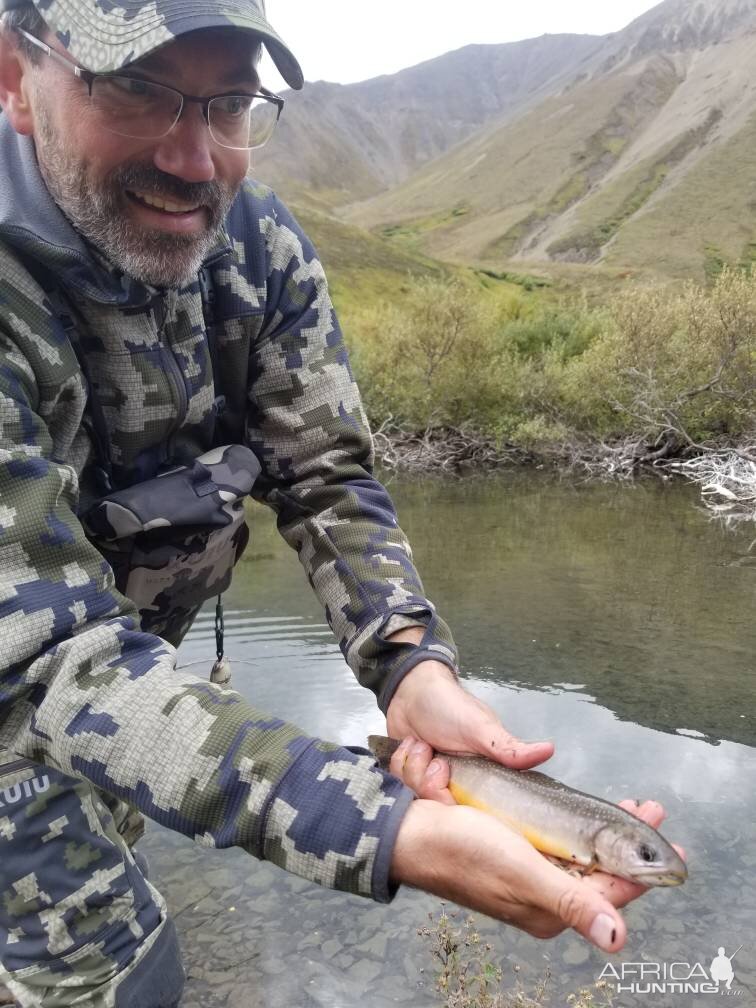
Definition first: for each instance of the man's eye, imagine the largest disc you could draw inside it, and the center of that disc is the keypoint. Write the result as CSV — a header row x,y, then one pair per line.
x,y
234,105
133,88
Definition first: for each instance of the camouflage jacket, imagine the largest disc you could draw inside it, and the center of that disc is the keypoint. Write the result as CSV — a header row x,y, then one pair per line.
x,y
83,688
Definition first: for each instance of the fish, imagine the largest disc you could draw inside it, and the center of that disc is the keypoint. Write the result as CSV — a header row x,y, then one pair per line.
x,y
557,820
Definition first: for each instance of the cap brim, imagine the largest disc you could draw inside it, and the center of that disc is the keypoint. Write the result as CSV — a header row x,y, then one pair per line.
x,y
104,38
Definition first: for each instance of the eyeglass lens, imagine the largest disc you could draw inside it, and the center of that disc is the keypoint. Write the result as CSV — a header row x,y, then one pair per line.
x,y
145,110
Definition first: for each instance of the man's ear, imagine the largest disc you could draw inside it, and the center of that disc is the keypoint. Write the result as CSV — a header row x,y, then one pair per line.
x,y
15,86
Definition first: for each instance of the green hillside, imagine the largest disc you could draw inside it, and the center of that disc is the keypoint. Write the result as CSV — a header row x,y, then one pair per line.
x,y
365,270
707,219
488,199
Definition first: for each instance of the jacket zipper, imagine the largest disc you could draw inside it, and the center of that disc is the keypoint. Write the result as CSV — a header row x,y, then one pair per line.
x,y
178,381
19,764
176,378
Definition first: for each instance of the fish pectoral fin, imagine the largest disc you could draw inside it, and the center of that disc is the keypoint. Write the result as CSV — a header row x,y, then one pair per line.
x,y
571,867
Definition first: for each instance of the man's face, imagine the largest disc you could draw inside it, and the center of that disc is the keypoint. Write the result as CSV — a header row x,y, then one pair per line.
x,y
104,183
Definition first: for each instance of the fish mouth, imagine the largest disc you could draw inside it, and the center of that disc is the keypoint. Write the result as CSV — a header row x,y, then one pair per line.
x,y
660,878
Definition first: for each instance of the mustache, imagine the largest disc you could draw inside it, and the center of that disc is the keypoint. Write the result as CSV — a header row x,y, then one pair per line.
x,y
152,180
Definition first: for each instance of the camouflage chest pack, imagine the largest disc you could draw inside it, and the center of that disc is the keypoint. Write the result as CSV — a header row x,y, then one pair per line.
x,y
172,540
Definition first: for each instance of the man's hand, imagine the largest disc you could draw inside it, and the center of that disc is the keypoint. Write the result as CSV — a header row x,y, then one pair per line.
x,y
467,856
430,706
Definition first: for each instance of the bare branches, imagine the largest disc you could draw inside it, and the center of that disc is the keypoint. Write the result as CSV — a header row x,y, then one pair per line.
x,y
727,477
727,481
450,450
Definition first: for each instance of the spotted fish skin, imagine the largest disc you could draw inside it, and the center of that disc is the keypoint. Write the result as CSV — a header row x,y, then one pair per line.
x,y
559,820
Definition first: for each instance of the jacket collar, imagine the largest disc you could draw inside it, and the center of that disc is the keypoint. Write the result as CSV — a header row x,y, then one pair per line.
x,y
32,222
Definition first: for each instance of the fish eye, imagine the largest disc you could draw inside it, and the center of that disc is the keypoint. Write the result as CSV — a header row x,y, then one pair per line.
x,y
647,853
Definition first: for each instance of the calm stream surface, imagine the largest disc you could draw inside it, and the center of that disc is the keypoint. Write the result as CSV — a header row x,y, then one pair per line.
x,y
617,621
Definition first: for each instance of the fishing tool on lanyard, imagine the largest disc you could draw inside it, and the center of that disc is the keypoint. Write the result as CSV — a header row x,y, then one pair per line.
x,y
221,671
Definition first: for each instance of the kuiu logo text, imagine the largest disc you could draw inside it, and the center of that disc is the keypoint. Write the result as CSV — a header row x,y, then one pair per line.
x,y
24,789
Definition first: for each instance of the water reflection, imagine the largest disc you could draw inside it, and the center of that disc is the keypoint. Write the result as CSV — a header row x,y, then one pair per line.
x,y
617,622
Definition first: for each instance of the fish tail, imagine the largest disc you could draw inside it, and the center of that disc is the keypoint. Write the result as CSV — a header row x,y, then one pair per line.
x,y
383,749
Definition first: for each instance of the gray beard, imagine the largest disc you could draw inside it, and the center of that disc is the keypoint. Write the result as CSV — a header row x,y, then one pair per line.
x,y
101,215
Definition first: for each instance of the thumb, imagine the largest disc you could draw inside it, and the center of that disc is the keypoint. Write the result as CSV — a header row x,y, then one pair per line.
x,y
495,742
587,912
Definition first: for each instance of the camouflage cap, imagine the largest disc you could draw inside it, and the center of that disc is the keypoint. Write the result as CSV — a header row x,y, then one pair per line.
x,y
105,36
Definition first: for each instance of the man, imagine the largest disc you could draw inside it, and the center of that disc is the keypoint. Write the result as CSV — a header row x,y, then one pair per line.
x,y
155,306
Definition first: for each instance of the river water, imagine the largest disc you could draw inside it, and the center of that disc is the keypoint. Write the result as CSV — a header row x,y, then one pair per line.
x,y
617,621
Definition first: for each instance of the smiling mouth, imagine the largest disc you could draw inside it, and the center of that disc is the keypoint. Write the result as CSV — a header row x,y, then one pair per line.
x,y
167,206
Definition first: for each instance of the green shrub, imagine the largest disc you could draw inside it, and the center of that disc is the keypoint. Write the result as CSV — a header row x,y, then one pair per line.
x,y
682,360
438,359
652,360
566,330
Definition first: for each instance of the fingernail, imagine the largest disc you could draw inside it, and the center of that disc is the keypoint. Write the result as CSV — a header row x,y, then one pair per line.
x,y
604,932
434,767
419,749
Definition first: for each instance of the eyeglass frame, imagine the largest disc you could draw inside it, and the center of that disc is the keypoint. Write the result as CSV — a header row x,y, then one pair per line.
x,y
89,77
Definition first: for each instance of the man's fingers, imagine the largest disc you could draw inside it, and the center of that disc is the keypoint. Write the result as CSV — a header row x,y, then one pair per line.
x,y
569,900
428,777
650,812
401,754
499,745
435,782
587,910
617,890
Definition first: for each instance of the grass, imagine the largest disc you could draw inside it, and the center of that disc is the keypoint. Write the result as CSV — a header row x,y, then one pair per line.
x,y
365,270
344,248
362,268
748,257
524,280
507,244
570,192
714,262
412,231
468,974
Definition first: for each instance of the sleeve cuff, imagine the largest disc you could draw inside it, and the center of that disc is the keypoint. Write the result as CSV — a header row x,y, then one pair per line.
x,y
333,819
417,653
384,889
380,664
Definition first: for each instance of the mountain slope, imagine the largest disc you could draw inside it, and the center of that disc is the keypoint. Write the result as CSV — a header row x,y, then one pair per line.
x,y
338,143
496,192
679,26
632,155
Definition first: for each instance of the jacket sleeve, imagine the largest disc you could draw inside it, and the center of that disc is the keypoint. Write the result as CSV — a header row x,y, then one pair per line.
x,y
307,425
83,690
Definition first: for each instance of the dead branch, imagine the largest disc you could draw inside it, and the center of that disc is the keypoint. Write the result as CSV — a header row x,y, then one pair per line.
x,y
450,450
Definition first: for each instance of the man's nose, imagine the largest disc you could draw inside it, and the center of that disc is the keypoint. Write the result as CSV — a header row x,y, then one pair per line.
x,y
187,151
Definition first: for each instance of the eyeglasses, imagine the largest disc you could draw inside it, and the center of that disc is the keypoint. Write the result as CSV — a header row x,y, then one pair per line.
x,y
144,110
